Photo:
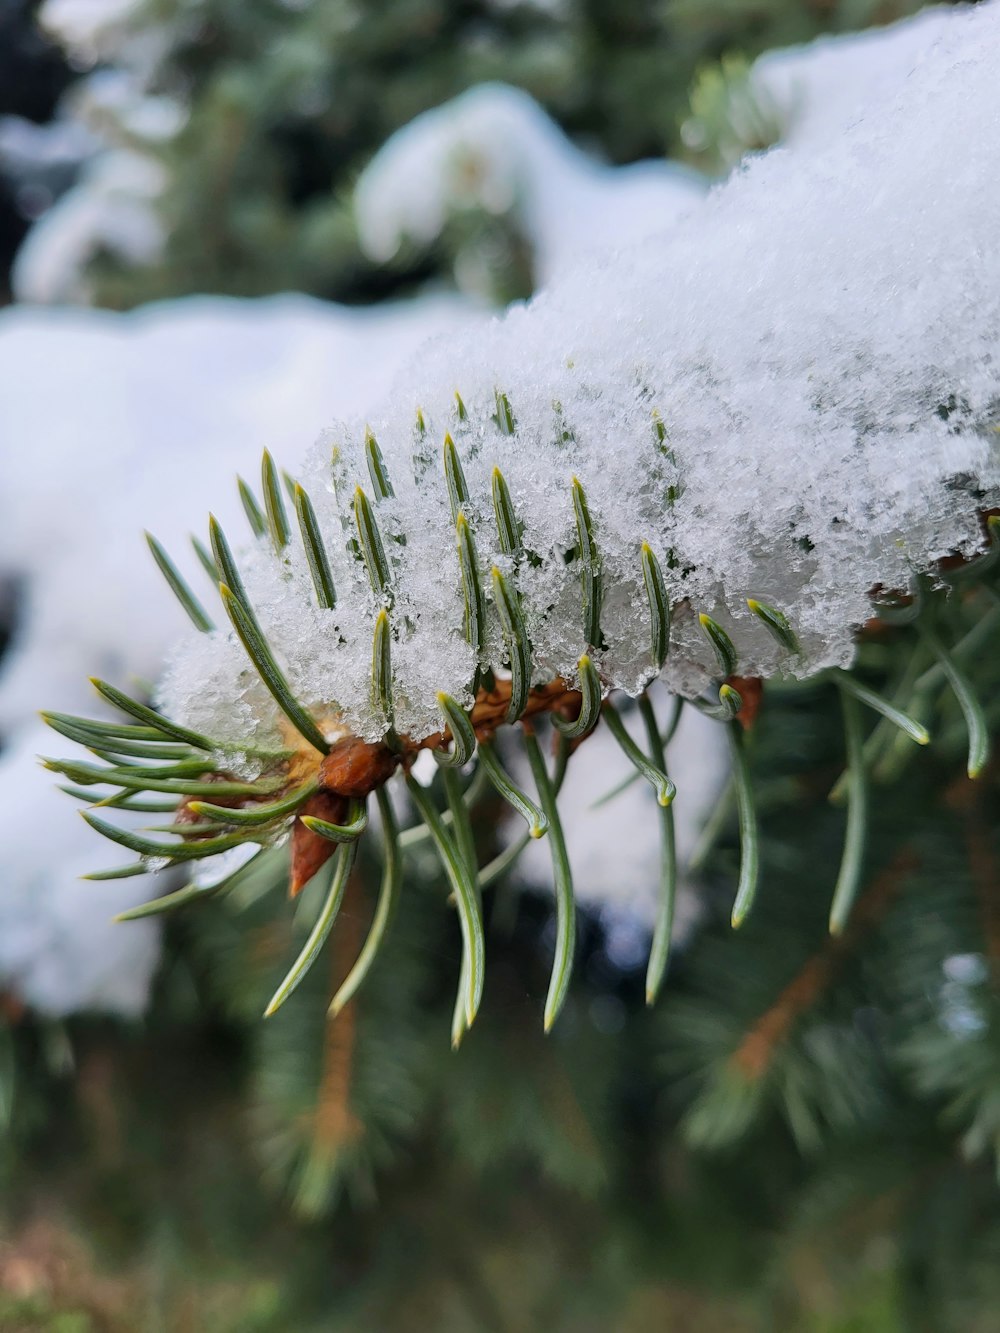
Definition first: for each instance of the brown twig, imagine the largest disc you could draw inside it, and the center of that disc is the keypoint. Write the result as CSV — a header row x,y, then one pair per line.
x,y
335,1124
754,1054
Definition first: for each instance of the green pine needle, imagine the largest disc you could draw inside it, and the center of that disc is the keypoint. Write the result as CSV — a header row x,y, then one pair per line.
x,y
505,786
381,485
194,609
462,734
504,416
382,667
342,867
746,888
255,515
274,505
659,605
590,568
349,832
250,816
206,561
465,847
465,889
472,586
722,644
562,963
180,851
659,952
658,780
372,548
912,728
591,695
515,636
458,491
508,528
852,857
972,709
385,908
150,717
257,649
776,623
315,551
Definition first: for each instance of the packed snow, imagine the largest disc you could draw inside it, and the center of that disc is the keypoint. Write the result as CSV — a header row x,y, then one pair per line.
x,y
820,341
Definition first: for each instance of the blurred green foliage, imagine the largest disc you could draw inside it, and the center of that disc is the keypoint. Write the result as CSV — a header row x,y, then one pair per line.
x,y
287,102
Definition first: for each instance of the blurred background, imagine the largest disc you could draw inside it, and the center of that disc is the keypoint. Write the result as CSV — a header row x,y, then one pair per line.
x,y
223,224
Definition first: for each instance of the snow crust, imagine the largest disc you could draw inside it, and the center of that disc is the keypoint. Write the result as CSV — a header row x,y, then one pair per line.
x,y
820,340
493,148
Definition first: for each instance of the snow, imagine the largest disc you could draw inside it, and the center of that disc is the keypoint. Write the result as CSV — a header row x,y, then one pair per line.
x,y
26,147
59,949
494,149
110,210
85,27
108,423
820,338
822,87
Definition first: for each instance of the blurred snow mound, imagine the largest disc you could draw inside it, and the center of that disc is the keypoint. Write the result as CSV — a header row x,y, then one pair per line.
x,y
494,148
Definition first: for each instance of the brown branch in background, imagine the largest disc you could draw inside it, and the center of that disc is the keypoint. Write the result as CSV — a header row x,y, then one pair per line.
x,y
755,1052
985,872
335,1124
12,1009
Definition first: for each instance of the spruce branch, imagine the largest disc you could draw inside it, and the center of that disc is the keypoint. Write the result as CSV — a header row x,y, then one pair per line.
x,y
318,786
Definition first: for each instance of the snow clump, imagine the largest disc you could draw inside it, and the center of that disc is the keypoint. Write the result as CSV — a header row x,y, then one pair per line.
x,y
820,343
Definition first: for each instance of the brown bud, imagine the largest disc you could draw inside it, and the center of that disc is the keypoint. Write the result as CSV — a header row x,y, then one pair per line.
x,y
751,691
355,768
310,851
